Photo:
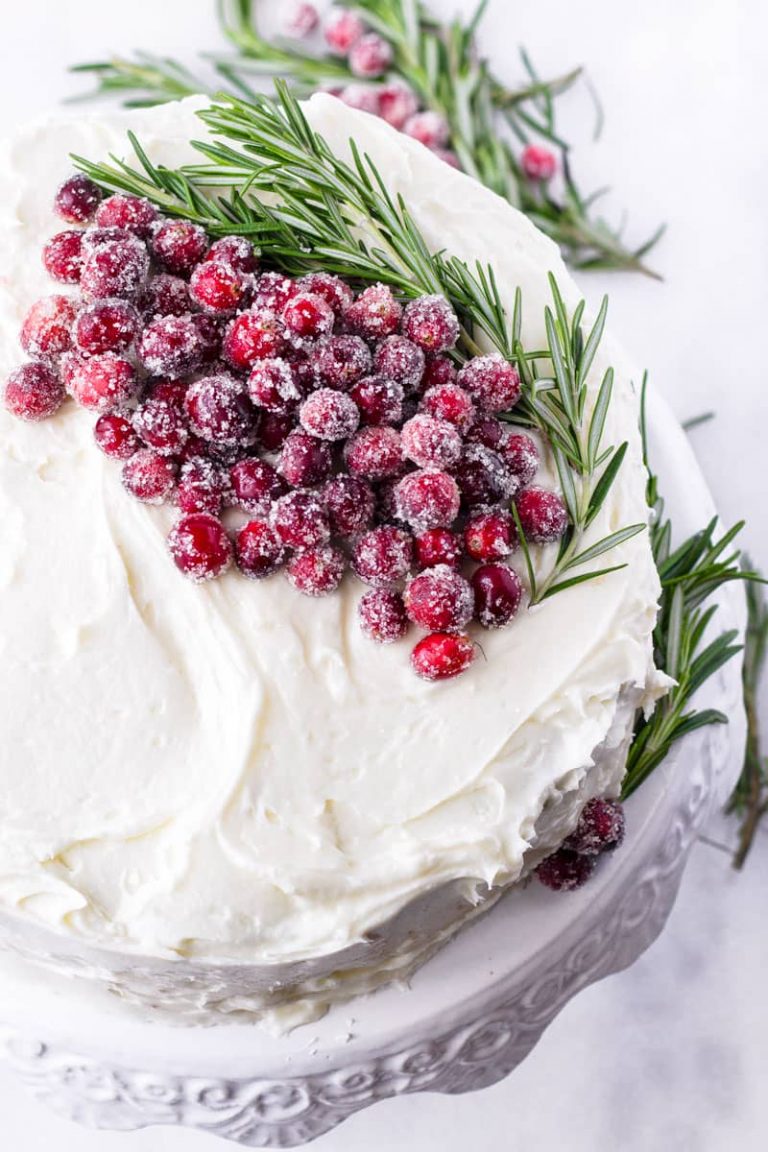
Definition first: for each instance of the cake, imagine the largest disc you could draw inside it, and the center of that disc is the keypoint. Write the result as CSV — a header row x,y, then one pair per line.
x,y
221,799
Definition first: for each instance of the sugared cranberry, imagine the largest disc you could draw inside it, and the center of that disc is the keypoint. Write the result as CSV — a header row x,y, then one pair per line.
x,y
130,212
483,477
200,546
308,317
370,56
256,485
171,346
300,519
439,599
429,128
521,456
382,616
350,503
219,410
361,97
33,392
601,826
383,556
374,453
400,359
342,31
105,326
564,870
45,332
316,571
171,391
438,370
492,382
490,535
431,443
162,425
397,103
451,403
149,476
254,335
99,383
237,251
538,163
216,286
379,401
375,314
498,592
273,431
272,385
330,288
339,361
272,292
304,460
209,329
179,245
77,199
438,546
427,499
442,656
114,268
543,515
63,257
489,431
431,323
115,435
259,550
329,415
201,487
165,295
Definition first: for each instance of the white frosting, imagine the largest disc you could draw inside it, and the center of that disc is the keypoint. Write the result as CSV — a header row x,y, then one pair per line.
x,y
233,771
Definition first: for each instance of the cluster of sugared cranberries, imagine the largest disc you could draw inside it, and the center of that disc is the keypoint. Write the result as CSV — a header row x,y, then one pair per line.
x,y
600,829
294,423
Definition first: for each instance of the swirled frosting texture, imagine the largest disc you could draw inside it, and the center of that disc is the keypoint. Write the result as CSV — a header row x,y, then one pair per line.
x,y
233,772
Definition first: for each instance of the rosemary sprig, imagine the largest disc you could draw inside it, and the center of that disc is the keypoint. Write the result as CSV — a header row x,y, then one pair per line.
x,y
443,65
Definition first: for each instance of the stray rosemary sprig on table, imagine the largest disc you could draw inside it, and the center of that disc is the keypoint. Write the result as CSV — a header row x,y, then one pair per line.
x,y
441,63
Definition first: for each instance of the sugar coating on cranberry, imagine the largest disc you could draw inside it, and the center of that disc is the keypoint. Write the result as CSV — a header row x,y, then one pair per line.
x,y
162,425
490,535
216,286
63,257
492,382
256,485
538,163
272,292
45,332
489,431
259,551
254,335
350,503
200,546
375,314
543,515
339,361
272,385
219,410
178,245
439,599
115,435
431,323
332,289
100,383
498,593
33,392
105,326
114,268
438,546
382,616
431,443
201,487
378,400
171,346
316,571
450,403
304,460
601,826
400,359
564,870
397,103
77,199
442,655
308,317
149,477
370,56
521,456
483,477
300,519
427,499
329,415
132,213
342,31
237,251
165,295
429,128
383,556
374,453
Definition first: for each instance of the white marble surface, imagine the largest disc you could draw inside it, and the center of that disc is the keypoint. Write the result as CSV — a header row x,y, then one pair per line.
x,y
673,1054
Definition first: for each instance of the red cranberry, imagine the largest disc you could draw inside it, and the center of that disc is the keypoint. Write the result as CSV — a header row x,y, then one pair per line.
x,y
179,245
489,431
438,546
165,295
379,401
431,443
273,431
383,556
63,257
115,435
317,571
172,391
361,97
439,599
427,499
100,382
259,550
304,460
256,485
538,163
200,546
77,199
490,536
601,826
308,317
272,292
105,326
237,251
171,346
272,385
451,403
448,157
216,286
375,314
342,31
300,519
401,360
564,870
543,515
114,268
382,616
492,381
149,476
438,370
370,56
45,333
350,503
397,103
219,410
339,361
329,415
130,212
483,477
429,128
33,392
375,453
431,323
162,425
330,288
498,592
209,330
521,456
442,656
251,336
201,487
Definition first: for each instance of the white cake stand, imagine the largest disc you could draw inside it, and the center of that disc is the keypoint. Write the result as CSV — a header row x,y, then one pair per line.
x,y
469,1016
